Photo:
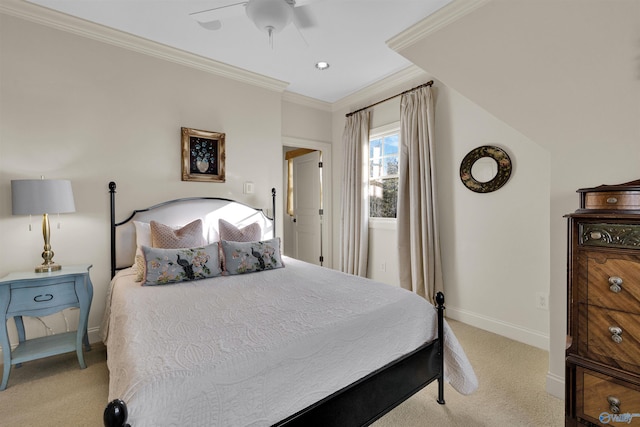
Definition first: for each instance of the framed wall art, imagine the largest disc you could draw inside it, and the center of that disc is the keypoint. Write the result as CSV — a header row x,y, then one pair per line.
x,y
202,155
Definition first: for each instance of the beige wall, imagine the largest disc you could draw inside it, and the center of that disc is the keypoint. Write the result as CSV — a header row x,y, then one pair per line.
x,y
492,271
566,75
87,111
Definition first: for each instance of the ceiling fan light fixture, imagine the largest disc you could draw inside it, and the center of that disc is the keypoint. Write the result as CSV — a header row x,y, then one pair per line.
x,y
270,16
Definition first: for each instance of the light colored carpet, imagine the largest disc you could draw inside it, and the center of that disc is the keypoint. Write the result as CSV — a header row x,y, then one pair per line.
x,y
54,391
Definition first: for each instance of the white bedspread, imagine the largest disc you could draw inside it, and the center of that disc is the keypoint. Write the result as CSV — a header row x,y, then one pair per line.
x,y
252,349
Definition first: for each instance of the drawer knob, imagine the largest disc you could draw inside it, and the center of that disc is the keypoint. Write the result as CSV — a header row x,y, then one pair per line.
x,y
614,404
43,298
612,200
616,333
616,284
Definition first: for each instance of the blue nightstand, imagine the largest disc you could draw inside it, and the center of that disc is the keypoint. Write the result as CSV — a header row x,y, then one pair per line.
x,y
42,294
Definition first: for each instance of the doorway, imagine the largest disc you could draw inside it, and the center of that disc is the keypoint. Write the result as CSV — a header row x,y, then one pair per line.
x,y
306,201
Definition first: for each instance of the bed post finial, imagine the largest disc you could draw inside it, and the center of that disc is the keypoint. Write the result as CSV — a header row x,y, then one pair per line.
x,y
440,299
116,414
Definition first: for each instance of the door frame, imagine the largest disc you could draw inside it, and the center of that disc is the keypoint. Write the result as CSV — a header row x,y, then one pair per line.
x,y
327,219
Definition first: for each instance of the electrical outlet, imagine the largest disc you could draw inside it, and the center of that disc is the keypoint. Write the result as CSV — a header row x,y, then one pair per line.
x,y
383,266
542,301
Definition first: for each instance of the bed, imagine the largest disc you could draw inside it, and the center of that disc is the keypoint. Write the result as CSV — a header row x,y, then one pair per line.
x,y
270,341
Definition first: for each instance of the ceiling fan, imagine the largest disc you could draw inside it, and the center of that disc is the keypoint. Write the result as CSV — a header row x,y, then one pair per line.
x,y
270,16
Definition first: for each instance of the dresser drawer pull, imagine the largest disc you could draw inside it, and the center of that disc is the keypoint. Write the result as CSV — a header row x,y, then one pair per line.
x,y
612,200
43,298
614,404
616,333
616,284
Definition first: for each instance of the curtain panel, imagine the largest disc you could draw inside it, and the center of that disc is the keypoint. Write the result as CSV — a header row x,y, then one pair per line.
x,y
418,238
354,210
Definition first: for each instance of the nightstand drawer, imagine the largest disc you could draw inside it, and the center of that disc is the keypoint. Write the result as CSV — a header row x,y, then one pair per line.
x,y
605,400
35,298
615,335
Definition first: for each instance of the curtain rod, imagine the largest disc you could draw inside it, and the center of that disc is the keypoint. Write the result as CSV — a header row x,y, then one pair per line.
x,y
429,83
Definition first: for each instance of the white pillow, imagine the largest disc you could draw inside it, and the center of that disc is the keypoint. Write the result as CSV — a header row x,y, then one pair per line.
x,y
143,233
143,238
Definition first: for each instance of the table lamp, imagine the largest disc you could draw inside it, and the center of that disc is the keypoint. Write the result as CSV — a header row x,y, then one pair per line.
x,y
42,197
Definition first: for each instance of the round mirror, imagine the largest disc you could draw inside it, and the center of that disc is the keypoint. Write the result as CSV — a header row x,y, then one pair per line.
x,y
485,169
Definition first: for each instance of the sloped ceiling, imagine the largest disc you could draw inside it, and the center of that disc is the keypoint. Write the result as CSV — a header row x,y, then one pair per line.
x,y
557,71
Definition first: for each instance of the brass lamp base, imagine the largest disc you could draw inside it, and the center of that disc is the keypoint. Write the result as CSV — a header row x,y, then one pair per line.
x,y
47,254
48,268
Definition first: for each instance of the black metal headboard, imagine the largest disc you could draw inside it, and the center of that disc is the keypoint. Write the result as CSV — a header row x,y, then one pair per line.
x,y
123,233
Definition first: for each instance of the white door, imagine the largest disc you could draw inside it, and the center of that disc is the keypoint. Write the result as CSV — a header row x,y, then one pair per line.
x,y
307,206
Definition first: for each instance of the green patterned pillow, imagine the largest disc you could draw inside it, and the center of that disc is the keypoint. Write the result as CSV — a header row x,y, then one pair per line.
x,y
166,266
247,257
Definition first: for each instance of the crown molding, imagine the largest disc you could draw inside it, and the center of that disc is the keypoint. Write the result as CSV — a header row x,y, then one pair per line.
x,y
434,22
60,21
306,101
364,96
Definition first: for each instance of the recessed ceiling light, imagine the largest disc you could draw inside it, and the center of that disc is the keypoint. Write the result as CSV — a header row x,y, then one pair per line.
x,y
322,65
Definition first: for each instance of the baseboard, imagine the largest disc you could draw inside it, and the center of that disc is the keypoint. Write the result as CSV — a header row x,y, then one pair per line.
x,y
555,385
509,330
94,335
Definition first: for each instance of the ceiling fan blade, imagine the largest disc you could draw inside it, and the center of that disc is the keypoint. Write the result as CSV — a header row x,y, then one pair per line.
x,y
211,25
303,18
219,13
305,2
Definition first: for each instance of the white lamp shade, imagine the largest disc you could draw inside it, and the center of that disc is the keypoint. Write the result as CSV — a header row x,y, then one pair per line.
x,y
270,15
41,196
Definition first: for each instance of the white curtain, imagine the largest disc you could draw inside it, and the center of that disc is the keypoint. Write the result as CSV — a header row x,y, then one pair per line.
x,y
354,215
418,238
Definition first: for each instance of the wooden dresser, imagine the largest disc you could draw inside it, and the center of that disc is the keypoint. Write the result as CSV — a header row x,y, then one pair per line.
x,y
603,308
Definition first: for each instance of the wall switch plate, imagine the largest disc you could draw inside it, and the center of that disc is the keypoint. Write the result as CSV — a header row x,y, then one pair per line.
x,y
248,188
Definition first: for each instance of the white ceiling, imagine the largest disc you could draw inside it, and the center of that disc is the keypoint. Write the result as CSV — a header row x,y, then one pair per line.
x,y
349,34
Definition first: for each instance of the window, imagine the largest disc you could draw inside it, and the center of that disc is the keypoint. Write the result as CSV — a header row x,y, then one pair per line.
x,y
383,171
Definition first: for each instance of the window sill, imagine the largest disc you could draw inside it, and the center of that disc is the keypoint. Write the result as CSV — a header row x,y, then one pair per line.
x,y
383,223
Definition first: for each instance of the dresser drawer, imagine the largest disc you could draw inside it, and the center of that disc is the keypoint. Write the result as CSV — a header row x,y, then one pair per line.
x,y
616,200
606,401
609,235
25,300
622,345
613,282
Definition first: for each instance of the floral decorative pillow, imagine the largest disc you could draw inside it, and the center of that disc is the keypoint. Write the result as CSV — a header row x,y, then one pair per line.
x,y
247,257
229,232
166,266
